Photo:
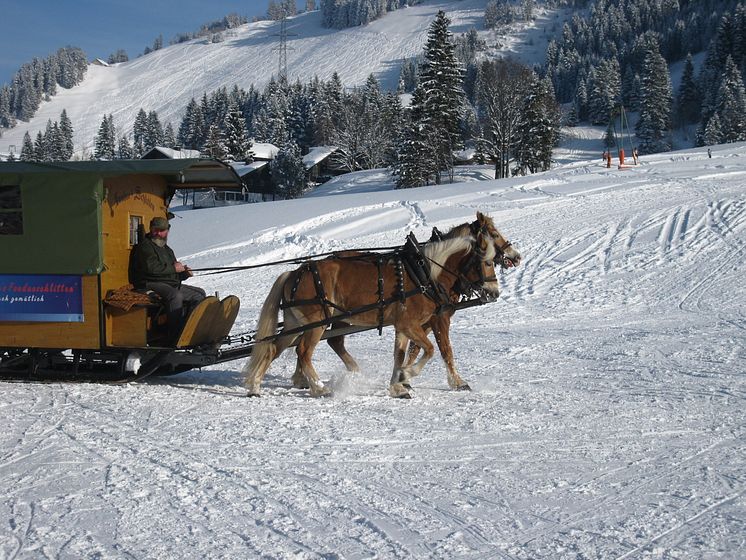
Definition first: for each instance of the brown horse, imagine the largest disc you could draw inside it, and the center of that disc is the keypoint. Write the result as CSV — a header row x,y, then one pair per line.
x,y
376,289
440,323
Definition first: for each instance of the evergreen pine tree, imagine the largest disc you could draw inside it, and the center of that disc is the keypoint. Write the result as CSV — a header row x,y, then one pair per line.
x,y
730,105
40,148
441,79
55,143
415,159
153,132
739,35
66,134
104,143
124,150
169,140
27,149
713,133
581,101
7,119
288,171
325,112
51,138
215,144
655,104
688,100
605,91
271,125
237,141
539,126
140,133
192,126
300,117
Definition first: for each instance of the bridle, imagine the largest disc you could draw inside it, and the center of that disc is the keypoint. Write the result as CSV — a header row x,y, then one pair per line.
x,y
463,287
501,244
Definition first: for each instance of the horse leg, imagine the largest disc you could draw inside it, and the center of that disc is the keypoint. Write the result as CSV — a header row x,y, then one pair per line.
x,y
414,350
337,343
397,388
441,325
305,349
299,380
418,335
402,375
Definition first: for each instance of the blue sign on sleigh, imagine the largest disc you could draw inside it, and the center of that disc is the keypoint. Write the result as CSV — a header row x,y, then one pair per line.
x,y
41,298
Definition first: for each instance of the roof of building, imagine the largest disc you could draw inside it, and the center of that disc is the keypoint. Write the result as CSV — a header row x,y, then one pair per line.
x,y
243,169
264,150
161,152
181,173
317,155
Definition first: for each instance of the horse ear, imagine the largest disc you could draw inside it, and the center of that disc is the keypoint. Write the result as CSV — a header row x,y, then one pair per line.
x,y
480,217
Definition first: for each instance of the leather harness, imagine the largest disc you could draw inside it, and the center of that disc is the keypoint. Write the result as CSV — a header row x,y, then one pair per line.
x,y
408,257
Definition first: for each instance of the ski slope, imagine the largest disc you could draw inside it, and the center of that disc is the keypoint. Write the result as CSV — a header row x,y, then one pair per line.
x,y
607,420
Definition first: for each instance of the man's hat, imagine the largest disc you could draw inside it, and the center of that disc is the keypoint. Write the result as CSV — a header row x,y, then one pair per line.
x,y
159,223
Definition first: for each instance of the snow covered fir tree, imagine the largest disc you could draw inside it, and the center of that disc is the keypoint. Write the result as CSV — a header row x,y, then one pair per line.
x,y
436,111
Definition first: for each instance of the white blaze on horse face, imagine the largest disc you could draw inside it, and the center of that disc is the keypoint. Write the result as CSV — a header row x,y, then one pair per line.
x,y
490,253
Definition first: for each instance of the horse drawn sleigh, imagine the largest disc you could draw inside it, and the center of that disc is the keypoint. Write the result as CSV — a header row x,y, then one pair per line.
x,y
66,311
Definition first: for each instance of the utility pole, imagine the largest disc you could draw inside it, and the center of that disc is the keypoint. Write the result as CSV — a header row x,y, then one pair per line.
x,y
282,48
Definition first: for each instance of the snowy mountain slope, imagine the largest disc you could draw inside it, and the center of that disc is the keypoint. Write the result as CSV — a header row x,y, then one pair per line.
x,y
165,80
607,418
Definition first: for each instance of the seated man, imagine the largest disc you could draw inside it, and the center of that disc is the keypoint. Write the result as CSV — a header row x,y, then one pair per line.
x,y
154,267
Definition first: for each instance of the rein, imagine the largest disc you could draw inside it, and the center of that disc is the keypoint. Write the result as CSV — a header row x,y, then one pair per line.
x,y
296,260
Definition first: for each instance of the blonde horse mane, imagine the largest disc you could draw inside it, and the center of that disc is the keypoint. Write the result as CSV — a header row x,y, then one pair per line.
x,y
440,251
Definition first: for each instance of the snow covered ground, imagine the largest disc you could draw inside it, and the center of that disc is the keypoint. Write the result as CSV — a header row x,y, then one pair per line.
x,y
608,417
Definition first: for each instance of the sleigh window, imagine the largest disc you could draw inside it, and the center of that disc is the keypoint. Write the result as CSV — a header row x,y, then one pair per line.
x,y
11,210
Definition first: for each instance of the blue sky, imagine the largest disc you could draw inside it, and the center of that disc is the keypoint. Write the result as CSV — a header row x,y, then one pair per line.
x,y
100,27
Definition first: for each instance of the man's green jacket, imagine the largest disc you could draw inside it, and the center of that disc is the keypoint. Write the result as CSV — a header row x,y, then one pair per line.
x,y
151,263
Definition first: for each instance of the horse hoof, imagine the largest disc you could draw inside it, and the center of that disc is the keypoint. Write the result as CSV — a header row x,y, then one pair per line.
x,y
398,391
253,395
301,385
407,386
464,387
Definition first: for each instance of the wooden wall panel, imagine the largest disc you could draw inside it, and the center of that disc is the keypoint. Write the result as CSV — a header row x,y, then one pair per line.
x,y
134,195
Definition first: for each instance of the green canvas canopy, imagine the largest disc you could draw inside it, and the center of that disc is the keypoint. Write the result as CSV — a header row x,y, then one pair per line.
x,y
50,213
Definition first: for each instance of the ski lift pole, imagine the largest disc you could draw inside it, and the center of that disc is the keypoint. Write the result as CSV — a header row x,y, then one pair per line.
x,y
621,144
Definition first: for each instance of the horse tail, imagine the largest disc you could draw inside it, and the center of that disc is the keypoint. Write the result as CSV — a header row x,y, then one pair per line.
x,y
265,350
